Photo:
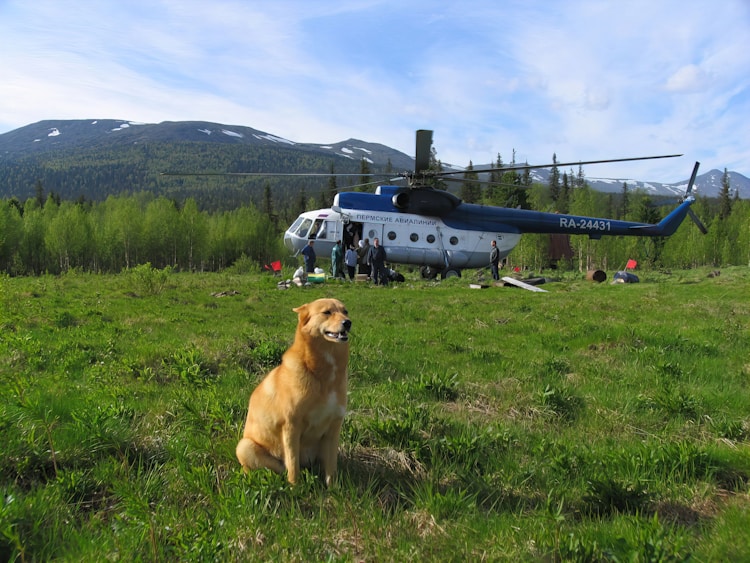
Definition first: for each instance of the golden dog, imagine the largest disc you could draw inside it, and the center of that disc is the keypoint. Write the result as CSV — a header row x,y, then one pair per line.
x,y
295,414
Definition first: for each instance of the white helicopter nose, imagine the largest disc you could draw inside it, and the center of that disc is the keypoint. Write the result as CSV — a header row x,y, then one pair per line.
x,y
289,241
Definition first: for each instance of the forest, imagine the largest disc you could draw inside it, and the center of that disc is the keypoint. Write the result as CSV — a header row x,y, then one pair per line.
x,y
169,169
49,234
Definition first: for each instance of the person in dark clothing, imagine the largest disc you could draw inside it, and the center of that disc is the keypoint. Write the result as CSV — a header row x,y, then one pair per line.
x,y
309,255
363,254
377,257
494,260
337,259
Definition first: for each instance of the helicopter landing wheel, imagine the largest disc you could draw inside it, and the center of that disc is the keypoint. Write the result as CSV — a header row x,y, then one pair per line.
x,y
451,274
428,272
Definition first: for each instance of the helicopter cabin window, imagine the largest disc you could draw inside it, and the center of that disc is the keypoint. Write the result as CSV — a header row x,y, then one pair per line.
x,y
303,227
430,238
318,230
391,235
414,237
454,241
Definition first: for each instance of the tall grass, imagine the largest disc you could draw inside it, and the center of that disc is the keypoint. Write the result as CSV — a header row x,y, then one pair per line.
x,y
590,423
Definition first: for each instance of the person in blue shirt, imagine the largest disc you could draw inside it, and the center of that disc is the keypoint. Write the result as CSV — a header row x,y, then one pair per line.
x,y
350,259
309,255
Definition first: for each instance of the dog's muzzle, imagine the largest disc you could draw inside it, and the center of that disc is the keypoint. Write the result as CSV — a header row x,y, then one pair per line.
x,y
343,334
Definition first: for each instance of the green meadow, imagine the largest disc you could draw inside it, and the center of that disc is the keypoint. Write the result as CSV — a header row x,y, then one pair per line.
x,y
595,422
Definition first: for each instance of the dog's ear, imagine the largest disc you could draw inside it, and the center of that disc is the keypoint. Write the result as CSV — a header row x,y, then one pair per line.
x,y
303,311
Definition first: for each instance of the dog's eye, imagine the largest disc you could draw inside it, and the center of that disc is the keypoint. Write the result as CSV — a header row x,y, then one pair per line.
x,y
346,312
327,312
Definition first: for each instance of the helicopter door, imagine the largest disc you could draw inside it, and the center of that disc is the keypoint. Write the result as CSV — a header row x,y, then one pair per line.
x,y
352,233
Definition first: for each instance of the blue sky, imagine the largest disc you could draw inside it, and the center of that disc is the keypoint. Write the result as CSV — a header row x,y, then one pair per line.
x,y
585,79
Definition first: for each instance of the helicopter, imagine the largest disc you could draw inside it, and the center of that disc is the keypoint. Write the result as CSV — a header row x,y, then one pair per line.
x,y
435,230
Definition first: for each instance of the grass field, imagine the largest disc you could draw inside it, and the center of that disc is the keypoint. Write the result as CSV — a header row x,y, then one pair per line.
x,y
595,422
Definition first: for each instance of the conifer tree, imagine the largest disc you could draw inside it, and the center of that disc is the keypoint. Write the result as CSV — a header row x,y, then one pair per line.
x,y
332,186
563,201
436,166
471,191
725,200
364,170
300,202
512,192
267,199
554,181
625,203
526,180
490,193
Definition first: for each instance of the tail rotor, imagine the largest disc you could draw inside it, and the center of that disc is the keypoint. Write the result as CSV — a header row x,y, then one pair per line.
x,y
688,192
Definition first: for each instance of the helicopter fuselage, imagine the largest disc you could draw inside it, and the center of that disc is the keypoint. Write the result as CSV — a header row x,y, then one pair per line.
x,y
433,228
408,238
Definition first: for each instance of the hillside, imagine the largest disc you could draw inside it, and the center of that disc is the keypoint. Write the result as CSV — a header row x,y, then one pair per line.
x,y
95,158
98,158
708,184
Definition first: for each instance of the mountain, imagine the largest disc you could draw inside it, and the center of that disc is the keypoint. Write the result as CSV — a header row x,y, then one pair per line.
x,y
48,136
95,158
707,184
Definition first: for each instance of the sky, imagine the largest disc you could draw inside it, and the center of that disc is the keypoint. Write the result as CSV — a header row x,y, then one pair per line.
x,y
580,79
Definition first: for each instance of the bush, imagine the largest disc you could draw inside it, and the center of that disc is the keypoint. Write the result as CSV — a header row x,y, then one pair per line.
x,y
147,280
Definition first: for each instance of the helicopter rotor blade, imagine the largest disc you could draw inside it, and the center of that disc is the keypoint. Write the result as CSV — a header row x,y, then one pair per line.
x,y
278,174
691,182
485,183
688,191
560,164
697,221
423,148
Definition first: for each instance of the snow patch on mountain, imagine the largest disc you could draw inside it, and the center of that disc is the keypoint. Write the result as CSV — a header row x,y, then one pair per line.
x,y
275,139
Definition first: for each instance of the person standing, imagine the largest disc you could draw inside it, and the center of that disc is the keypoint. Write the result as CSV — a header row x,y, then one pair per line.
x,y
337,258
494,260
364,255
377,257
350,259
309,255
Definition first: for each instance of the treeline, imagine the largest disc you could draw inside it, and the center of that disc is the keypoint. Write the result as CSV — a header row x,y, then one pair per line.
x,y
46,235
727,219
727,242
98,173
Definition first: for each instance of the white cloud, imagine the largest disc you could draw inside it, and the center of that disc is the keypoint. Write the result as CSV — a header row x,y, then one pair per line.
x,y
581,79
688,78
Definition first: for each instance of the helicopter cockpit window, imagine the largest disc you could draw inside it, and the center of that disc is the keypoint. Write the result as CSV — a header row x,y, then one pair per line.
x,y
454,241
430,238
318,229
303,228
414,237
391,235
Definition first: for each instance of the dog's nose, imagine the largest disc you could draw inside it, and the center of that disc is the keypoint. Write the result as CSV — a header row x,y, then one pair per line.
x,y
347,324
